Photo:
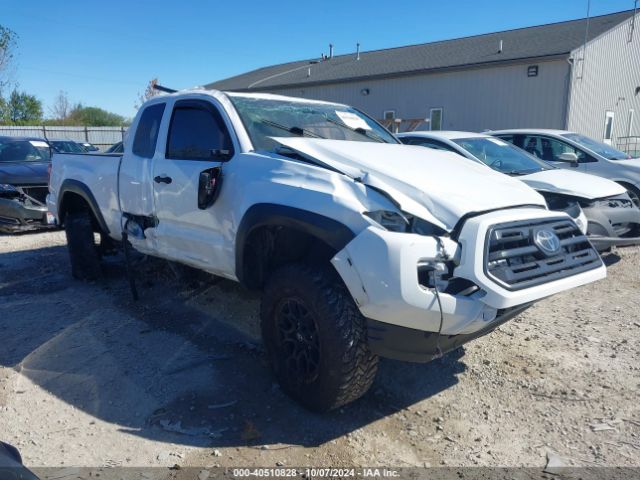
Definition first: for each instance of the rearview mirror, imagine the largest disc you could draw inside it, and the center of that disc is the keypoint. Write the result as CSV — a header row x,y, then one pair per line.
x,y
568,157
209,185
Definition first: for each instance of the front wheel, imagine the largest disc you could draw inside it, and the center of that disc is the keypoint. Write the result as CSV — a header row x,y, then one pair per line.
x,y
316,337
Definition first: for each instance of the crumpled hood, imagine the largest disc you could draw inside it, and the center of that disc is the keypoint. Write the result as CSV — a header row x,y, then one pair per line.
x,y
576,184
24,173
430,184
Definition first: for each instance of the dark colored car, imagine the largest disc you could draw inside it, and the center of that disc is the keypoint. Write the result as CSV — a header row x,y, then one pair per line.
x,y
11,466
66,146
24,176
116,148
89,147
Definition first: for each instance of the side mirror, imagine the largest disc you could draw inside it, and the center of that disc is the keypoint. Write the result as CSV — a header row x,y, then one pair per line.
x,y
209,185
569,157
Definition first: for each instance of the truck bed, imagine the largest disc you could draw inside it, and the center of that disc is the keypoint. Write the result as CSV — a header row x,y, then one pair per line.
x,y
98,172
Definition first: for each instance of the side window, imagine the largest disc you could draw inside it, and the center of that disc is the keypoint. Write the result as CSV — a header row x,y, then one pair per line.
x,y
532,145
197,132
144,143
506,138
550,149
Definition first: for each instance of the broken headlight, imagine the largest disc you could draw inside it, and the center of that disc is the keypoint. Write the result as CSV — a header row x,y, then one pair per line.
x,y
402,222
392,221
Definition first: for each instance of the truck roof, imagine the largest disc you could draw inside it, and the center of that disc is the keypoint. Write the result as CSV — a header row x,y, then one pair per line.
x,y
265,96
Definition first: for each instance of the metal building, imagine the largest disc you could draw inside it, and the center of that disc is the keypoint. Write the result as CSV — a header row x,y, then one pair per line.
x,y
582,75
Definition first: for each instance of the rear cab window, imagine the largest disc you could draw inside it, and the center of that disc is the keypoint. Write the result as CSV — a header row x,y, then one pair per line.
x,y
144,143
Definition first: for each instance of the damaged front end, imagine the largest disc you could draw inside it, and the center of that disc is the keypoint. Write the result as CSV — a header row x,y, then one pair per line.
x,y
22,208
610,221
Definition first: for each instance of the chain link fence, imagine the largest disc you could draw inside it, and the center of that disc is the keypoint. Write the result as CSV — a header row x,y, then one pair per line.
x,y
101,137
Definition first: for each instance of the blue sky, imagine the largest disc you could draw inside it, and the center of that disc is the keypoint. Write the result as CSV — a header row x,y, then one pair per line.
x,y
104,53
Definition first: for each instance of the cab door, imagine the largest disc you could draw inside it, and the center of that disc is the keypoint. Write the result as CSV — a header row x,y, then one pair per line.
x,y
198,140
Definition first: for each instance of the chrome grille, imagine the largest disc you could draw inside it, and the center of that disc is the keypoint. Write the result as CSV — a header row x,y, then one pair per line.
x,y
513,259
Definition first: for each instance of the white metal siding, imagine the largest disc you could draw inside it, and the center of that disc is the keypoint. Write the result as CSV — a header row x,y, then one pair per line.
x,y
472,99
611,75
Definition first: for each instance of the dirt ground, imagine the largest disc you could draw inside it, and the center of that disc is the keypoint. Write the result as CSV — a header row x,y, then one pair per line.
x,y
89,377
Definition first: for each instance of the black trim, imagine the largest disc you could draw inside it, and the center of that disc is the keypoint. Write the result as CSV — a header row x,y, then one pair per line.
x,y
457,229
565,263
79,188
411,345
330,231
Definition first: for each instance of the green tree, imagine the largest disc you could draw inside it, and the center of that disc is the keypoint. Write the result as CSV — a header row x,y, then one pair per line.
x,y
93,117
8,42
21,109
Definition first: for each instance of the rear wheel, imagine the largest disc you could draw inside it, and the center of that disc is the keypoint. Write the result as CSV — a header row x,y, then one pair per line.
x,y
315,337
83,250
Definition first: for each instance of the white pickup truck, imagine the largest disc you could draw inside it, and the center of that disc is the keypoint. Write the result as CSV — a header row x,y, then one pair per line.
x,y
362,247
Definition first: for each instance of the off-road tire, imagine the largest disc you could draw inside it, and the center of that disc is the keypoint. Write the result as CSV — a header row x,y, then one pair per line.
x,y
83,251
346,367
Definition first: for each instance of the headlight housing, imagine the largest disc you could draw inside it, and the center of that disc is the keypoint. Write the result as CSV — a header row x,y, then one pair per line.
x,y
389,220
396,221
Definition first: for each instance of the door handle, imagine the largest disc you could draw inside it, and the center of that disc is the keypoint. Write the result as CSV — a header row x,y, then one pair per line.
x,y
163,179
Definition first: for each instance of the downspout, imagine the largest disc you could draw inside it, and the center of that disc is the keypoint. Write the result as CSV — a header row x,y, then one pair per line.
x,y
569,91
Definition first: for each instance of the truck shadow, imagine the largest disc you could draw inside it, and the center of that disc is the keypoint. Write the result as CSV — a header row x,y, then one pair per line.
x,y
182,365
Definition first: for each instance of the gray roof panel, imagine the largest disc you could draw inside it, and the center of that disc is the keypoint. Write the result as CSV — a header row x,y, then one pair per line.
x,y
523,43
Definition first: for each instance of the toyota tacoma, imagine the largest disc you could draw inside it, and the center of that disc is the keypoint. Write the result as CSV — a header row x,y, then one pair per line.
x,y
362,247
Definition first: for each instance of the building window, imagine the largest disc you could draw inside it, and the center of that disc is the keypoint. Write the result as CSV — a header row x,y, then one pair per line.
x,y
532,71
389,115
435,119
630,122
608,127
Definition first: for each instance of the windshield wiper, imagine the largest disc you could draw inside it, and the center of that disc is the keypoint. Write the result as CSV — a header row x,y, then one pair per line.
x,y
359,130
301,132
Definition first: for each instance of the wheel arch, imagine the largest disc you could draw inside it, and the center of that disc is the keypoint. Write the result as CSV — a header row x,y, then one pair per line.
x,y
73,194
267,222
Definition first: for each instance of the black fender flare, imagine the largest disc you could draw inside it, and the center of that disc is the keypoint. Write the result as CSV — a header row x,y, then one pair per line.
x,y
330,231
82,190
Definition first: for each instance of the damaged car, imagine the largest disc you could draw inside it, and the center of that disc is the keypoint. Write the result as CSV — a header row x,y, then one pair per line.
x,y
24,166
602,208
362,247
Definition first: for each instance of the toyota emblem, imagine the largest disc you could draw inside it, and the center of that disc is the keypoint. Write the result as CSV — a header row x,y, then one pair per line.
x,y
547,241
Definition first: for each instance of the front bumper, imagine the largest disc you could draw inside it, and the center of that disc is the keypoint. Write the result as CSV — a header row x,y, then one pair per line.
x,y
380,270
18,214
613,222
410,345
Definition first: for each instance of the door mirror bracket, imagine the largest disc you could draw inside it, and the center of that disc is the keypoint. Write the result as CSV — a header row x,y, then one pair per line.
x,y
209,184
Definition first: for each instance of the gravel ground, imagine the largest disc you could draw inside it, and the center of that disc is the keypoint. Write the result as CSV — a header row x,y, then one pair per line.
x,y
90,378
